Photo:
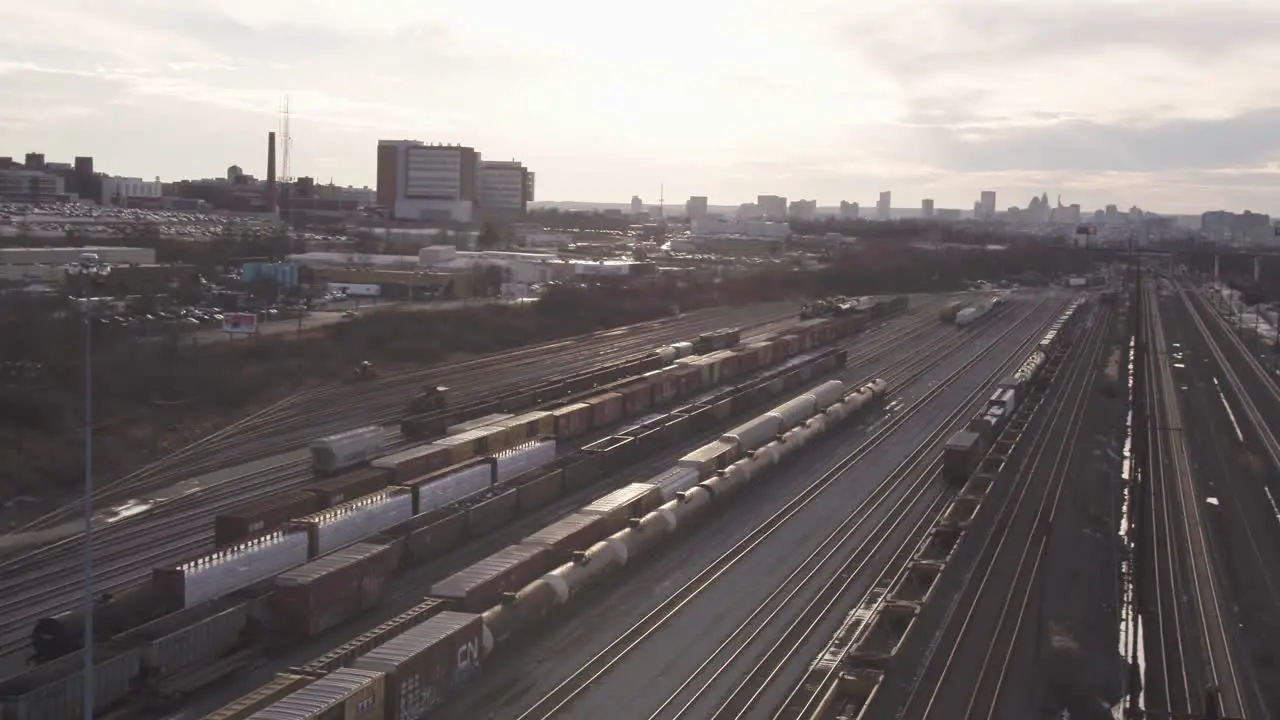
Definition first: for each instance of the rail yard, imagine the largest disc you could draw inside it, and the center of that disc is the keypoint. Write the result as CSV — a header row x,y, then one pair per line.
x,y
174,529
986,505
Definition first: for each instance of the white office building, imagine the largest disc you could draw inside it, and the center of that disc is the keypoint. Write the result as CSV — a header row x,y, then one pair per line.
x,y
118,190
506,187
417,181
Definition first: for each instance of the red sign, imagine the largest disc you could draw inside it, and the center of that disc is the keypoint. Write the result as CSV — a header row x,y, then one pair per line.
x,y
243,323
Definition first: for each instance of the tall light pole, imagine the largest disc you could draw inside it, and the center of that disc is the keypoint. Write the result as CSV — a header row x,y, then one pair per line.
x,y
94,274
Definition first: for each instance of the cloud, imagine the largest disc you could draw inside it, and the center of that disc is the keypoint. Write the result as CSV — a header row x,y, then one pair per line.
x,y
923,38
1156,102
74,30
1245,141
1106,62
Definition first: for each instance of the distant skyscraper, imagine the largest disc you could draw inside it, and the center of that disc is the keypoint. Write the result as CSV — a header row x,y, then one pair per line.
x,y
987,205
926,207
773,207
1065,214
505,189
884,206
417,181
803,209
848,210
637,205
1037,210
696,207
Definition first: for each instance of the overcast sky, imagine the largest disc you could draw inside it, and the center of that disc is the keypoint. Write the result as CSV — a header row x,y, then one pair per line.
x,y
1172,105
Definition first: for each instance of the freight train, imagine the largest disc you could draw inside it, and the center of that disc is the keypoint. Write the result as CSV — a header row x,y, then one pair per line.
x,y
841,306
453,464
975,312
445,637
956,311
453,455
966,448
430,413
726,344
880,306
627,397
216,612
828,307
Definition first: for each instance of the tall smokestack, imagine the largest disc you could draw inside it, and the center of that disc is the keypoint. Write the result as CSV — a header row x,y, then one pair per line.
x,y
270,199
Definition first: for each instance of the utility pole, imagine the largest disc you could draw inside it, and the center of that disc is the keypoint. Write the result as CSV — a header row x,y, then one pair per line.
x,y
95,274
1275,344
1138,479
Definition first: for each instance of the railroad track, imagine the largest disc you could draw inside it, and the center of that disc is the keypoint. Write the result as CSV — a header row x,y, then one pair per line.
x,y
295,468
880,343
921,495
186,530
1247,689
561,696
1007,568
1188,609
330,408
817,695
884,339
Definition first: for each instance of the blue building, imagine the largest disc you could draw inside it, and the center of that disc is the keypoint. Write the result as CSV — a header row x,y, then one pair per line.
x,y
283,274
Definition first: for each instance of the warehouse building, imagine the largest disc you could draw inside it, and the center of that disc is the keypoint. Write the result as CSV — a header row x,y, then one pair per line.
x,y
175,281
72,255
519,268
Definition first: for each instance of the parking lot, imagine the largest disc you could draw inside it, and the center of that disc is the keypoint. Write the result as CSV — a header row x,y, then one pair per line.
x,y
88,222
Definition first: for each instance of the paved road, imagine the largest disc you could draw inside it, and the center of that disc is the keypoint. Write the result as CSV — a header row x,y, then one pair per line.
x,y
646,678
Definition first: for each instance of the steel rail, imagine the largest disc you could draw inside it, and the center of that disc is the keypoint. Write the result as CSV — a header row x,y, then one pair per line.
x,y
1210,607
910,480
816,690
1263,567
148,541
1166,564
1034,546
985,557
37,555
318,408
566,691
1218,643
920,471
129,563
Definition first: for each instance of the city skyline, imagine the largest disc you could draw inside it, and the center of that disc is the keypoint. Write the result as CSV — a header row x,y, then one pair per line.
x,y
1156,105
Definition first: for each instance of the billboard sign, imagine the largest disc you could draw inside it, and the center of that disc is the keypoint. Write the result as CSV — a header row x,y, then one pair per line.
x,y
356,289
240,323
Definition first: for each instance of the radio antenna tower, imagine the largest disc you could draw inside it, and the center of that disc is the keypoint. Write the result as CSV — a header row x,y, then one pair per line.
x,y
286,143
